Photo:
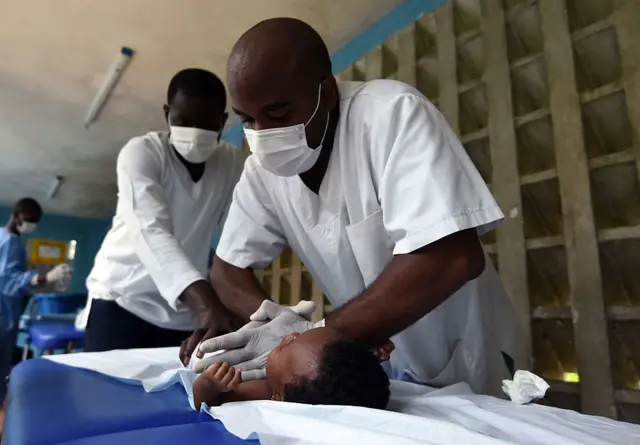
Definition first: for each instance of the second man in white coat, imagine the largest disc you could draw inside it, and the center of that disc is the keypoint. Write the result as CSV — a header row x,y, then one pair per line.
x,y
148,288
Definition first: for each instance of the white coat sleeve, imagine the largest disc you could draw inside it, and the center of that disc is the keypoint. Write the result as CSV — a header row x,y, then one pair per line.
x,y
145,212
252,236
428,185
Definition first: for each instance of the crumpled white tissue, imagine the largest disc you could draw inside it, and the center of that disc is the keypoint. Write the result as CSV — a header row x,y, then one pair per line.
x,y
525,387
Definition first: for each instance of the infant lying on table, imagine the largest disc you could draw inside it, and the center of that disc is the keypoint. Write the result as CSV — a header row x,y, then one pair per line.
x,y
316,367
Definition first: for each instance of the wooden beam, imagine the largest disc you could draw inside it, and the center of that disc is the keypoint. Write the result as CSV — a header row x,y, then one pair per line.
x,y
619,157
540,176
467,35
447,65
619,233
346,75
536,115
514,11
624,313
405,49
373,64
590,30
276,275
471,85
544,242
589,318
318,298
260,276
295,279
483,133
539,57
551,313
505,181
629,396
490,248
564,387
605,90
625,20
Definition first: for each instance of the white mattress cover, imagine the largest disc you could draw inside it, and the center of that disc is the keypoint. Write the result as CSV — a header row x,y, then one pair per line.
x,y
416,414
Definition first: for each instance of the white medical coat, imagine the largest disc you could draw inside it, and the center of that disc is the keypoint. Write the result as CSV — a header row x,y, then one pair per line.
x,y
398,179
160,240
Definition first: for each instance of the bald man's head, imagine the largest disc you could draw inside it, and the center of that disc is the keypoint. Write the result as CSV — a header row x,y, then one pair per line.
x,y
274,75
280,47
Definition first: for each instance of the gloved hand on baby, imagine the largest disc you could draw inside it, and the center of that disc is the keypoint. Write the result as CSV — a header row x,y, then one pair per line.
x,y
316,367
302,362
249,359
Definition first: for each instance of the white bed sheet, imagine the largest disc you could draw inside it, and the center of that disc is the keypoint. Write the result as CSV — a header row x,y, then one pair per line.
x,y
416,415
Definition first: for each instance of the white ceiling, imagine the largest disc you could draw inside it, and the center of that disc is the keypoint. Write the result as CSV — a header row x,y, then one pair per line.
x,y
55,55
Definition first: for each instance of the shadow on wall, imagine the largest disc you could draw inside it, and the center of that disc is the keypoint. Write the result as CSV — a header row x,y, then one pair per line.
x,y
88,234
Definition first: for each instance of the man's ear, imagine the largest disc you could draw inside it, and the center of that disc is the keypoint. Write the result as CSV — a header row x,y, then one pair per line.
x,y
330,92
165,108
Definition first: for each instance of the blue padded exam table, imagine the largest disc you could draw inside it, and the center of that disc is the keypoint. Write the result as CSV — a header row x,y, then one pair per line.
x,y
50,403
49,321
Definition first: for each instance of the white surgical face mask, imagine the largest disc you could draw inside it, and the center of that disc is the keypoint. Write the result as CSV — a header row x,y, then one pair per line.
x,y
284,151
26,227
194,144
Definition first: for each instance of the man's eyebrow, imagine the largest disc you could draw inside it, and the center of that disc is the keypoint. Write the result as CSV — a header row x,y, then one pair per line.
x,y
276,106
238,112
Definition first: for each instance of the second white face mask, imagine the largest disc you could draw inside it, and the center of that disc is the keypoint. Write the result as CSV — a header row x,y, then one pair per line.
x,y
27,227
194,144
285,151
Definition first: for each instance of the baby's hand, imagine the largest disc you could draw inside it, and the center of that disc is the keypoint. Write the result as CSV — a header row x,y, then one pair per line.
x,y
223,376
216,379
383,353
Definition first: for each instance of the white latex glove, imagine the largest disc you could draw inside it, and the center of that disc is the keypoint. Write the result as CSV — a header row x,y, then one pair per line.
x,y
248,348
59,273
267,312
258,318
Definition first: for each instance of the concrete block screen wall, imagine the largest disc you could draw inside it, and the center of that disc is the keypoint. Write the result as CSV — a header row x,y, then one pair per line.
x,y
545,96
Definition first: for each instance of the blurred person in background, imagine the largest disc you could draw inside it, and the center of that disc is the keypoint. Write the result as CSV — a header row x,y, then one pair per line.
x,y
16,281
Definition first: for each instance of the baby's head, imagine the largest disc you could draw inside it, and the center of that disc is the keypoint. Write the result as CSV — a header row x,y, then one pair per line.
x,y
318,368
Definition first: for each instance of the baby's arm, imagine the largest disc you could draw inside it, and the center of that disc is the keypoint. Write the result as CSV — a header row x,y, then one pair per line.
x,y
221,383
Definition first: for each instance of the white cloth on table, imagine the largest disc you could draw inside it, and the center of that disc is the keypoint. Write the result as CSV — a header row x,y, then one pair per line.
x,y
420,415
417,414
159,243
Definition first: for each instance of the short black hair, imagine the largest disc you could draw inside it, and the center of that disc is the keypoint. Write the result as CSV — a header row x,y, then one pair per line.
x,y
28,206
196,82
293,40
347,374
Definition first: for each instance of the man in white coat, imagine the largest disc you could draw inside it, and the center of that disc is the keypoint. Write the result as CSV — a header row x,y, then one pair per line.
x,y
147,288
370,187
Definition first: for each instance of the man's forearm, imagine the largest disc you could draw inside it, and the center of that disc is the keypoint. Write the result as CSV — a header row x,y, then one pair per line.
x,y
410,287
238,289
200,297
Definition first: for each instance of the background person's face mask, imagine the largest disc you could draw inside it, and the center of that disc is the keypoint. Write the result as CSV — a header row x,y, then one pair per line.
x,y
194,144
284,151
26,227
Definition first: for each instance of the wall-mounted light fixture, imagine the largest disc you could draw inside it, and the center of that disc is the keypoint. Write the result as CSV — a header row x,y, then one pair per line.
x,y
124,57
57,182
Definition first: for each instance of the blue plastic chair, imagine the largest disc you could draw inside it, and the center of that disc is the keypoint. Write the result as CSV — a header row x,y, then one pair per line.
x,y
49,321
